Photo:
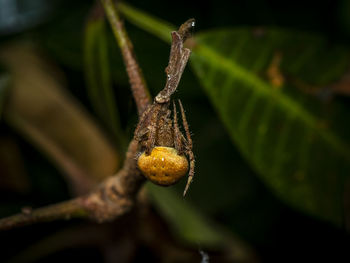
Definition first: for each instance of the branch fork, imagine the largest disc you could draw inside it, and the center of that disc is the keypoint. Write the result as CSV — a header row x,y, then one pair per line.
x,y
116,195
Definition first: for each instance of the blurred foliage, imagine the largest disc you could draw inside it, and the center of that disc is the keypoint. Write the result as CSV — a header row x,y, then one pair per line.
x,y
277,90
287,137
39,108
189,225
98,77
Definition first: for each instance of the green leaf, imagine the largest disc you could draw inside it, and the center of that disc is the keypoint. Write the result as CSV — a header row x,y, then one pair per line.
x,y
188,224
98,77
284,131
279,130
153,25
195,229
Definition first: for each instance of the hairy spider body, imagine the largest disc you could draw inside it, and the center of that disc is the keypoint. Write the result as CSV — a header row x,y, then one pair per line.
x,y
155,127
162,145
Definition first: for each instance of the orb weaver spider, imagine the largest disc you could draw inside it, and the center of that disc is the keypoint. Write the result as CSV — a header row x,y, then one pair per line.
x,y
163,147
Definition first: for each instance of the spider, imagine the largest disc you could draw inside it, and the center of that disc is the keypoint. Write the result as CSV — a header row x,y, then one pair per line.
x,y
162,145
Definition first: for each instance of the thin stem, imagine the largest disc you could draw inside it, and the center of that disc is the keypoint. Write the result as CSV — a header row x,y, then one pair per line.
x,y
114,197
137,81
64,210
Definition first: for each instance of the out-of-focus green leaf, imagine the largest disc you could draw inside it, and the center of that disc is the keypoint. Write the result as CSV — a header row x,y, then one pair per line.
x,y
187,223
45,114
280,133
194,228
155,26
279,127
98,77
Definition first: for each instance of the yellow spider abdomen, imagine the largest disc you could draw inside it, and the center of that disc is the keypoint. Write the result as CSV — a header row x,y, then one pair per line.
x,y
164,166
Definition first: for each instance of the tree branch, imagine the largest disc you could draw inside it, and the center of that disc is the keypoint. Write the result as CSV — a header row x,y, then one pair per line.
x,y
112,198
116,195
137,81
64,210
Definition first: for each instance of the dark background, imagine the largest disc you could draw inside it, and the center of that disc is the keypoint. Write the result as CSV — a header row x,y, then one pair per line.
x,y
243,204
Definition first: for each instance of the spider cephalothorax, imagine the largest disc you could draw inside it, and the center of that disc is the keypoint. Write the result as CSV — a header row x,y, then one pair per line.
x,y
162,145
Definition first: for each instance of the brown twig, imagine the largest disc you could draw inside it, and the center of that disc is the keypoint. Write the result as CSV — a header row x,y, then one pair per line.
x,y
116,195
64,210
137,81
113,198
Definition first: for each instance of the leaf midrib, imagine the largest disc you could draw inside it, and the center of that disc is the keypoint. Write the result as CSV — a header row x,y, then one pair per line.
x,y
162,30
266,90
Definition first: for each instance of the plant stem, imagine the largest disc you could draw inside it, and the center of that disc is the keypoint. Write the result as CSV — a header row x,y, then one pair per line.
x,y
137,81
64,210
114,197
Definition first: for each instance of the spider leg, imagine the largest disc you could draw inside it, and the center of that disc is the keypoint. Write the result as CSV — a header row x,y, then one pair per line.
x,y
141,128
151,139
188,148
152,128
191,172
185,124
177,133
